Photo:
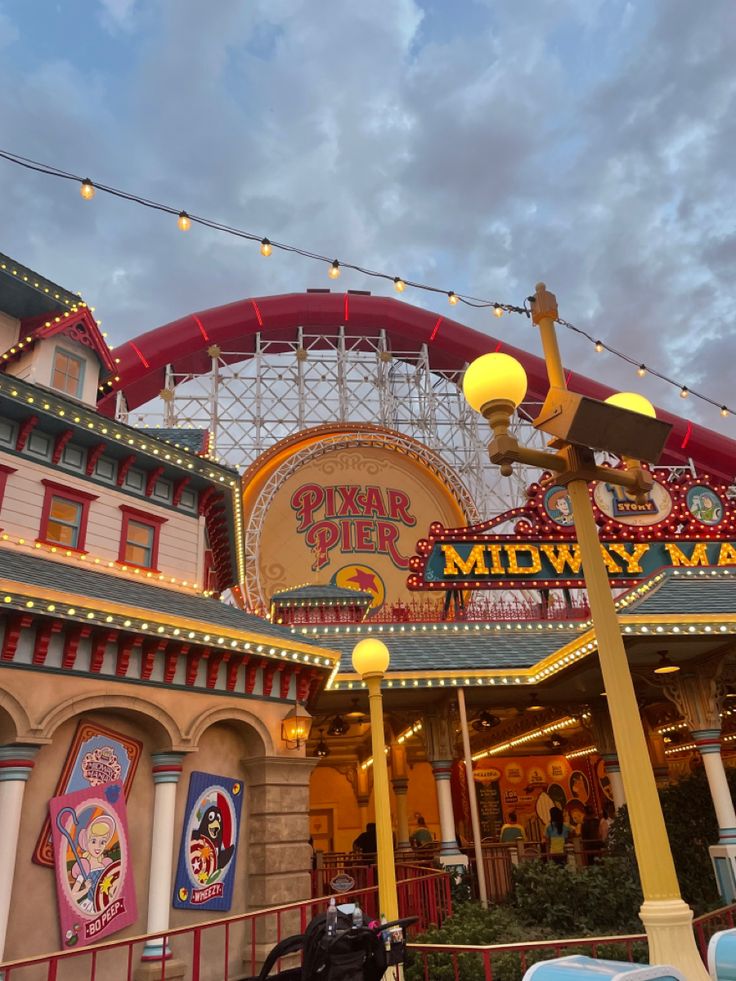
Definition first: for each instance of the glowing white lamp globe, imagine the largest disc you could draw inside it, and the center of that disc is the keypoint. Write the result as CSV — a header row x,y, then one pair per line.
x,y
633,402
494,377
371,656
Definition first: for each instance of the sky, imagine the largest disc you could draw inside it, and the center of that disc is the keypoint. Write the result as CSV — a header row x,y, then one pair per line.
x,y
477,145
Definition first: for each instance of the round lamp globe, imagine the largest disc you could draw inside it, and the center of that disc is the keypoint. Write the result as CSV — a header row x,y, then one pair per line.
x,y
494,377
633,402
370,656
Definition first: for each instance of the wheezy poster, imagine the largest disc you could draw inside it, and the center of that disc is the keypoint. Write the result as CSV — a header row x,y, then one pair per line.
x,y
209,843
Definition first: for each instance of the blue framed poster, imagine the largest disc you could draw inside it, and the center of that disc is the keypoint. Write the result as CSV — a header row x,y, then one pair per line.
x,y
209,843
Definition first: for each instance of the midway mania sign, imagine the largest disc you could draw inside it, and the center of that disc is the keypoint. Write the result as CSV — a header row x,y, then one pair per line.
x,y
686,522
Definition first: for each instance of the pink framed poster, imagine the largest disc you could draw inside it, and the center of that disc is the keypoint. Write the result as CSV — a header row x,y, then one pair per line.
x,y
96,756
94,875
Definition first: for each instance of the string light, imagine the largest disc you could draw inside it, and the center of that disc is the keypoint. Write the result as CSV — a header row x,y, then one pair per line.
x,y
185,220
399,284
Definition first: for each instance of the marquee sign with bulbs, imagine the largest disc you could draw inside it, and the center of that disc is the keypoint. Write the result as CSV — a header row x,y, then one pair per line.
x,y
685,521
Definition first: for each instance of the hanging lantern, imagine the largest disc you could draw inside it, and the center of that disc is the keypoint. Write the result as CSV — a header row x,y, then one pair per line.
x,y
322,749
295,727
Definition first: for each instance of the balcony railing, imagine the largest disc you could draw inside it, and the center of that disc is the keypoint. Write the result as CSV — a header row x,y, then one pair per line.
x,y
225,949
482,609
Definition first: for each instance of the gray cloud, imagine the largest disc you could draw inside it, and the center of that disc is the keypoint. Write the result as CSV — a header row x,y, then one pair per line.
x,y
588,144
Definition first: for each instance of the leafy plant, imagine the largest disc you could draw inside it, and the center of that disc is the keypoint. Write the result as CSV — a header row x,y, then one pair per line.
x,y
691,827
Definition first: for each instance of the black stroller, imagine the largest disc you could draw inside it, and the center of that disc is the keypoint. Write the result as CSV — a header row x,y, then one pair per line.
x,y
353,954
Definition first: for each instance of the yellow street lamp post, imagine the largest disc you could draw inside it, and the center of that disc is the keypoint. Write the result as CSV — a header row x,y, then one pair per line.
x,y
371,660
494,388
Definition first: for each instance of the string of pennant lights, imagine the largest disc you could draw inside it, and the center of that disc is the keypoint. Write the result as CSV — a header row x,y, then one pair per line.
x,y
185,220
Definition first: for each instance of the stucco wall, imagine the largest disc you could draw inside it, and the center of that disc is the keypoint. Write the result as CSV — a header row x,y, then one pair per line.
x,y
227,736
330,789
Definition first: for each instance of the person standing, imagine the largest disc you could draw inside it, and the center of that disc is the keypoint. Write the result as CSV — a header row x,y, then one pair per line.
x,y
557,833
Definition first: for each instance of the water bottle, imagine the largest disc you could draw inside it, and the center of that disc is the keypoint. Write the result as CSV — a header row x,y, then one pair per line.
x,y
385,935
357,917
331,919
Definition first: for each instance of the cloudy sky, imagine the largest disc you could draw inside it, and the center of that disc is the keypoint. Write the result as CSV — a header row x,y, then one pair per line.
x,y
480,145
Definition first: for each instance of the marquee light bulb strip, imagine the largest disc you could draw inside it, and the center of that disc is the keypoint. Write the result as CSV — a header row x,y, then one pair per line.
x,y
186,219
406,734
576,754
527,737
149,623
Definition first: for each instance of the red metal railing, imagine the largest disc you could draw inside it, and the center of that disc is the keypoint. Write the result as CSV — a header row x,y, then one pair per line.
x,y
449,961
236,943
708,924
499,960
422,889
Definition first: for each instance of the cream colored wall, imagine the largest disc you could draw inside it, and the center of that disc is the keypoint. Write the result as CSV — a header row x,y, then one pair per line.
x,y
9,328
35,366
180,554
331,789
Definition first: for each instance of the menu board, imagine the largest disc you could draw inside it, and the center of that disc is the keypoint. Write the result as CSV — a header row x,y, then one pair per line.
x,y
490,811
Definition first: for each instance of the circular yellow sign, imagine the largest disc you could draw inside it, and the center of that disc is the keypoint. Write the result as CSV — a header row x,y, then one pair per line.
x,y
344,505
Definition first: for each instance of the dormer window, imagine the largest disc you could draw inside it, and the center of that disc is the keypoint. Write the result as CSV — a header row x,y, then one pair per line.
x,y
67,374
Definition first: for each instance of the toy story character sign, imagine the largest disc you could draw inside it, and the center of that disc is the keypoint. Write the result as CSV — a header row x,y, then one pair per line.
x,y
704,505
94,877
558,507
97,756
209,843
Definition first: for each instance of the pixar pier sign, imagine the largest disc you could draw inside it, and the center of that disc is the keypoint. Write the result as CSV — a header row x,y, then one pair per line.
x,y
687,522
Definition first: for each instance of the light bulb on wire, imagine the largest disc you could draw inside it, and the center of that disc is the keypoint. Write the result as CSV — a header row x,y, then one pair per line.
x,y
684,392
641,370
724,411
87,189
399,284
599,346
498,310
334,270
452,297
184,221
266,247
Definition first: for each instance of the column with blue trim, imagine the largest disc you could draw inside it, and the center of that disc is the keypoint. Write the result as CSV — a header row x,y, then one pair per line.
x,y
700,698
166,771
16,765
438,738
606,746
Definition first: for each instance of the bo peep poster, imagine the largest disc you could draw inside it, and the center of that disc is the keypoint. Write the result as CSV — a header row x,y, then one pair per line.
x,y
94,876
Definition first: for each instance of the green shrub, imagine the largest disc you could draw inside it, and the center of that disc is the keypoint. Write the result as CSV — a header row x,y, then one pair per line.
x,y
603,898
691,827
